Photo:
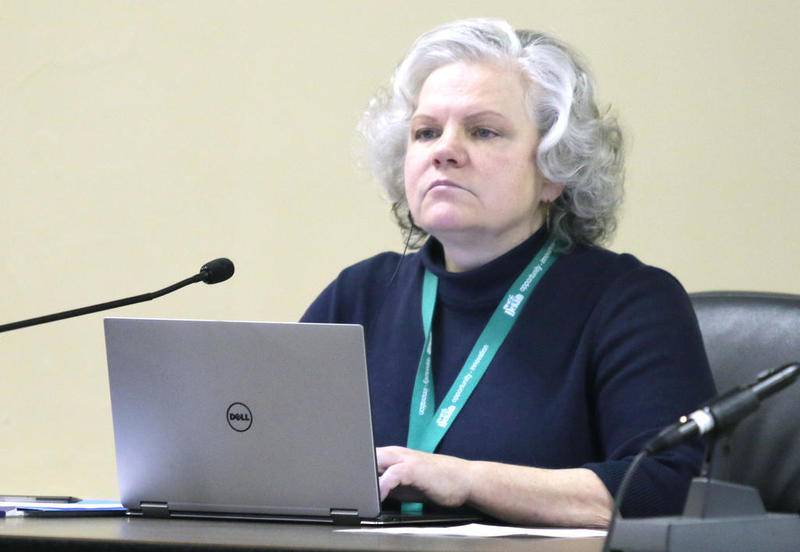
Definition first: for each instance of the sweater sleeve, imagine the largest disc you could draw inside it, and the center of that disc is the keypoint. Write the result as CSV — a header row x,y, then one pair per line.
x,y
650,367
356,293
323,309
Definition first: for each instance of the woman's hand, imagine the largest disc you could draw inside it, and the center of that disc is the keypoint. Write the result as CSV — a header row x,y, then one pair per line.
x,y
518,494
411,476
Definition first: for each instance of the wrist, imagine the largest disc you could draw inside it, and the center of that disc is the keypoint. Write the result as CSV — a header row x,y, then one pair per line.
x,y
473,470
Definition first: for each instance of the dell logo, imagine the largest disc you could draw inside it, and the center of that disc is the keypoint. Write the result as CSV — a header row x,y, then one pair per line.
x,y
239,417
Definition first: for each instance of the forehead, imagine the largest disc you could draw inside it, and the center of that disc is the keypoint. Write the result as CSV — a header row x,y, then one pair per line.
x,y
474,85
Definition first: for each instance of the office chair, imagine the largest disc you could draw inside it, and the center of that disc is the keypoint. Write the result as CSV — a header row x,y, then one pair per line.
x,y
745,333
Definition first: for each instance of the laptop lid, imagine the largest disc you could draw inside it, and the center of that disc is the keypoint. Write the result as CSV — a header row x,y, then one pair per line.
x,y
241,417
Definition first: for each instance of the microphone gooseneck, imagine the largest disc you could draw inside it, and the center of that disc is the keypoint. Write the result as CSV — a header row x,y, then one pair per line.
x,y
212,272
726,410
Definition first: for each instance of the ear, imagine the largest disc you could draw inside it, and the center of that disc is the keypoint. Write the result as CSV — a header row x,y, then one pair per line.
x,y
551,191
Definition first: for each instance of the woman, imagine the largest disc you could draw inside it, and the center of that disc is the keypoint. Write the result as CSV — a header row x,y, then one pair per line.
x,y
515,366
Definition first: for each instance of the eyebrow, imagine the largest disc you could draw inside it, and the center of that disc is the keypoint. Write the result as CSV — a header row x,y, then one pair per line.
x,y
468,118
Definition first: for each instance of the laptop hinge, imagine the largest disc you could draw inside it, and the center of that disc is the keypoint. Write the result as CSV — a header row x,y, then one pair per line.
x,y
154,509
342,516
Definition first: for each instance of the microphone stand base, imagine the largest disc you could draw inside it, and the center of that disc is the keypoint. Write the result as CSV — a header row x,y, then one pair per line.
x,y
766,532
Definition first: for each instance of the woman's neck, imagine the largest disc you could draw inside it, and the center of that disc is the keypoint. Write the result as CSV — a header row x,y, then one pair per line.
x,y
468,251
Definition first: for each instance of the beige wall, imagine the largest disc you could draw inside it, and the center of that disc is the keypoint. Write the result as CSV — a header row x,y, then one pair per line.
x,y
140,139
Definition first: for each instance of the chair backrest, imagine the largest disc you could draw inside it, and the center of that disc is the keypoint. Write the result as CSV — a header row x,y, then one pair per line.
x,y
746,333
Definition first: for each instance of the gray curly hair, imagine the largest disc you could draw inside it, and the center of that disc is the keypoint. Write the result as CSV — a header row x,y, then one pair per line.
x,y
580,147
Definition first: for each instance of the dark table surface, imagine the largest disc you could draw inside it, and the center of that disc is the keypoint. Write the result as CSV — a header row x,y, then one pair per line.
x,y
121,533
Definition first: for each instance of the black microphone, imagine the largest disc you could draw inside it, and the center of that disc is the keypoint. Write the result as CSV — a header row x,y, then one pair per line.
x,y
212,272
726,410
216,271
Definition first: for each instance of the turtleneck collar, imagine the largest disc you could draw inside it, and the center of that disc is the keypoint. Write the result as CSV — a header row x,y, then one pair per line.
x,y
486,284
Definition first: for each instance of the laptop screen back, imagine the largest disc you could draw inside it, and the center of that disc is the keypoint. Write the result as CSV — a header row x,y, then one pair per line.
x,y
242,417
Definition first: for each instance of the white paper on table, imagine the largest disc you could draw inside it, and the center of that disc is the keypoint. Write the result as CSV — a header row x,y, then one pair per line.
x,y
82,505
482,530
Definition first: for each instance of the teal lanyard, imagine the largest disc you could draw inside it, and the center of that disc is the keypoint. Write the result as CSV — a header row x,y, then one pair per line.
x,y
427,425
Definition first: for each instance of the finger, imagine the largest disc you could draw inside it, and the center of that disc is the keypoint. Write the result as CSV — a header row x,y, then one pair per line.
x,y
387,482
388,456
396,482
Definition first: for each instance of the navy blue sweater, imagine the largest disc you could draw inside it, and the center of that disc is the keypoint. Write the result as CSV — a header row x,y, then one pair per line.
x,y
606,352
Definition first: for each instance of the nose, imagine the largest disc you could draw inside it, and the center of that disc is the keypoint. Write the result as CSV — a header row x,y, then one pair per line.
x,y
449,151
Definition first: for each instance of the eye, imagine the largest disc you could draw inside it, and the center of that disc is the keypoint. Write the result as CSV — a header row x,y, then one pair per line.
x,y
426,133
484,133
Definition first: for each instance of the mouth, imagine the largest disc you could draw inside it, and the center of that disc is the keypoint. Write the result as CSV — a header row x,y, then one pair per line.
x,y
445,184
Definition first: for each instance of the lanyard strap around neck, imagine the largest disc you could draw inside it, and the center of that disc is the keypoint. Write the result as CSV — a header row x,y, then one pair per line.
x,y
426,428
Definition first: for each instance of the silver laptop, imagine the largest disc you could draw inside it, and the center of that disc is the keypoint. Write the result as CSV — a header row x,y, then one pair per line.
x,y
246,420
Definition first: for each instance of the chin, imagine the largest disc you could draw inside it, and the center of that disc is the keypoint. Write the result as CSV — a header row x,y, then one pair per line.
x,y
444,232
447,223
444,220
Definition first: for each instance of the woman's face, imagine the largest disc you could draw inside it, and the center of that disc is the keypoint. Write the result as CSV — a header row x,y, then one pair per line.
x,y
470,171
